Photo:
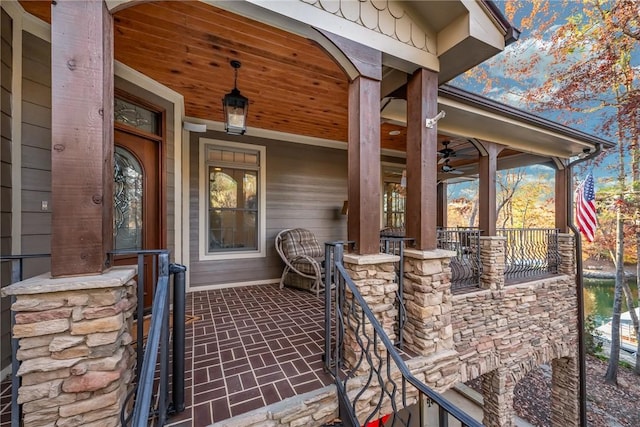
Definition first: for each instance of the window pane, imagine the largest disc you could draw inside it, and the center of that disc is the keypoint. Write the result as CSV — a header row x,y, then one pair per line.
x,y
233,209
127,209
250,183
394,205
213,155
135,116
232,230
223,189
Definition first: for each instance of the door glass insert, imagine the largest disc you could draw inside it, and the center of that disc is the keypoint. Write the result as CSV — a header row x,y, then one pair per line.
x,y
128,187
136,116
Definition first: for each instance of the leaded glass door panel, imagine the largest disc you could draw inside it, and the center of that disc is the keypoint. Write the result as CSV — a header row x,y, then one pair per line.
x,y
137,220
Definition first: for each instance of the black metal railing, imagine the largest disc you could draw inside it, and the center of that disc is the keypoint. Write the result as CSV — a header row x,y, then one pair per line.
x,y
401,399
157,342
17,275
395,246
530,252
466,266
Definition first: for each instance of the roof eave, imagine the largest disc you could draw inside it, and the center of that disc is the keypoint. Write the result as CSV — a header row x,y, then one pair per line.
x,y
481,102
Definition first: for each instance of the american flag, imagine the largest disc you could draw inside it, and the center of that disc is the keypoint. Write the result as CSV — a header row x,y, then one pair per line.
x,y
586,208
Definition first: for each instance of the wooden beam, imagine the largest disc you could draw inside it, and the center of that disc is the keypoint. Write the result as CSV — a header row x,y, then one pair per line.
x,y
82,137
367,61
487,188
422,157
364,165
441,220
562,204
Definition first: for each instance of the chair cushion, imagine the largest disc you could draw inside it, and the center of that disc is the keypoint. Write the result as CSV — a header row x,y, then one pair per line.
x,y
300,241
305,266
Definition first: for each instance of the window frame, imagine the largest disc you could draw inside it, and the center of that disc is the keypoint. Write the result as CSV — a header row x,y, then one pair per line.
x,y
390,167
203,202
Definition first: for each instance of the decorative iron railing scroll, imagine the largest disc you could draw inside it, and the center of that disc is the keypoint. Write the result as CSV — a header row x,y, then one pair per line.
x,y
466,266
530,252
372,379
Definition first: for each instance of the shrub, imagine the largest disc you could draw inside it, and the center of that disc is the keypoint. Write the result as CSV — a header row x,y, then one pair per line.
x,y
592,336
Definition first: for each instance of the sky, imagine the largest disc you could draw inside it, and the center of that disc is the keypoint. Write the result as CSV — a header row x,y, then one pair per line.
x,y
534,43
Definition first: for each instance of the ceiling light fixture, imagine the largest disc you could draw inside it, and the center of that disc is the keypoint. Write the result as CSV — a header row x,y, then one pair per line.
x,y
235,107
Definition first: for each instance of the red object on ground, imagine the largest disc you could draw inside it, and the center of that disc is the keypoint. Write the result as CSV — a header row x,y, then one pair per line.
x,y
379,422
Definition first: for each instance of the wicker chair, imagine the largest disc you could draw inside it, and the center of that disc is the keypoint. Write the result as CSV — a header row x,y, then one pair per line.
x,y
303,259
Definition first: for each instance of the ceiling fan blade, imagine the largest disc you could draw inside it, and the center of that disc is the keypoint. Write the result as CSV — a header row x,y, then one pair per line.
x,y
455,172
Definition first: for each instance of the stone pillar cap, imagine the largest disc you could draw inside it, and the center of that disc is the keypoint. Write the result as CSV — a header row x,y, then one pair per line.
x,y
43,284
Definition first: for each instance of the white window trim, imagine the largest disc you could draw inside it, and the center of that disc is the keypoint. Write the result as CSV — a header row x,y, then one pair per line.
x,y
203,207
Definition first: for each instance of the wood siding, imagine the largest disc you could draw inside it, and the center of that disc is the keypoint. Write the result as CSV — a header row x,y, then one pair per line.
x,y
306,186
5,182
36,152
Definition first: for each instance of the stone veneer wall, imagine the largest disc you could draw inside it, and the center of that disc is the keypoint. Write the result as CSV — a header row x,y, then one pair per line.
x,y
503,332
375,278
75,353
428,300
519,327
492,259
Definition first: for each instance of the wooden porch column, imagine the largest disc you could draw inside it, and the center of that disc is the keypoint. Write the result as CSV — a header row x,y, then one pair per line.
x,y
562,204
363,222
487,189
441,220
422,159
82,136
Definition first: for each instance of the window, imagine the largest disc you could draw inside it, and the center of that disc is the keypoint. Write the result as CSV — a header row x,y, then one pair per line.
x,y
393,196
136,116
393,208
232,200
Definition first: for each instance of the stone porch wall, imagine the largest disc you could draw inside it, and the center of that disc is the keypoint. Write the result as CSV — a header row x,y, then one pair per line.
x,y
75,353
375,278
519,327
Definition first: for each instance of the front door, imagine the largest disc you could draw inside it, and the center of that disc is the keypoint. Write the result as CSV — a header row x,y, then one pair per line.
x,y
137,209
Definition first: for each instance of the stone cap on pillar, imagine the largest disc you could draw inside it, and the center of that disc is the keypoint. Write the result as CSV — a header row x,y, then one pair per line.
x,y
115,277
432,254
370,259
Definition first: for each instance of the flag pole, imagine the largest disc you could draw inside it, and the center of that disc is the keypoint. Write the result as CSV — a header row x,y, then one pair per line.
x,y
582,388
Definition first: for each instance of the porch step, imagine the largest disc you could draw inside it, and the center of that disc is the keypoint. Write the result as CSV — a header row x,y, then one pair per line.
x,y
318,408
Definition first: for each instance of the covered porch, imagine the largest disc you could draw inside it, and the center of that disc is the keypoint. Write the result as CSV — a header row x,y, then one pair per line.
x,y
326,112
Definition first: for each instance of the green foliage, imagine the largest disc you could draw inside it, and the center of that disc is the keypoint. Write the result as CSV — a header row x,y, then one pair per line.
x,y
592,342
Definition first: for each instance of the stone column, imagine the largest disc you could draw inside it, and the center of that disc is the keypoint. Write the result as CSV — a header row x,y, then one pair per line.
x,y
567,252
375,277
428,301
75,351
565,408
497,393
492,257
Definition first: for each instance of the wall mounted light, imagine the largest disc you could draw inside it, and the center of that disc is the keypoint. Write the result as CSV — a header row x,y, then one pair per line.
x,y
235,106
194,127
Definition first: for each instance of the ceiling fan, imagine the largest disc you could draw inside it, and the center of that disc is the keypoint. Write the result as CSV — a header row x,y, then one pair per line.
x,y
448,153
446,168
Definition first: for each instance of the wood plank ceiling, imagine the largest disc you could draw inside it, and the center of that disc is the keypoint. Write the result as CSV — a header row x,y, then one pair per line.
x,y
292,84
